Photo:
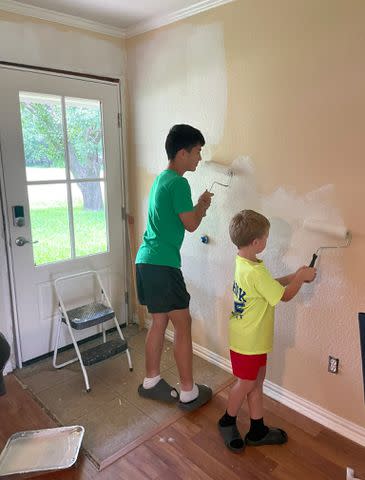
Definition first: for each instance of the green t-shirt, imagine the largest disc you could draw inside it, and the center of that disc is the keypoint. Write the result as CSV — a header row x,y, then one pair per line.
x,y
170,195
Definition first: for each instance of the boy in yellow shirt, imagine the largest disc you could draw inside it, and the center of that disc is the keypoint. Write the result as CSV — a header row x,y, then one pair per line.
x,y
251,328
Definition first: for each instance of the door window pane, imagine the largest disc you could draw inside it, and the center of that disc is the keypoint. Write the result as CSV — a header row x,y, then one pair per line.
x,y
89,218
43,139
85,138
64,160
49,223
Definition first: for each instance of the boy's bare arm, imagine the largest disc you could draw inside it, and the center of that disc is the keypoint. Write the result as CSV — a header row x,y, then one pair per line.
x,y
304,274
284,281
192,220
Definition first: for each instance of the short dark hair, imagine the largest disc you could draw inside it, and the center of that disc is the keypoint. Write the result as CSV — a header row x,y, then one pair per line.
x,y
182,136
246,226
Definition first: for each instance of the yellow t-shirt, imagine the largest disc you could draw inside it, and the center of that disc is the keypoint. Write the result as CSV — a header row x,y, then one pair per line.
x,y
255,294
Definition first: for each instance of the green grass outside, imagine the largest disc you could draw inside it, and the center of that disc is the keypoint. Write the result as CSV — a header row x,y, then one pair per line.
x,y
50,227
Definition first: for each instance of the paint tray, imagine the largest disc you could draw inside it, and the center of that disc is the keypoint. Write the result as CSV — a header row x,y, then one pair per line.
x,y
34,452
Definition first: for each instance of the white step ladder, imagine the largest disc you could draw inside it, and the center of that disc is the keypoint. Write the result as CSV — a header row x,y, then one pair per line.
x,y
97,312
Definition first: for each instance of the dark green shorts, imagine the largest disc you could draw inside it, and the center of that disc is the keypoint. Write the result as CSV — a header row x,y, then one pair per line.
x,y
162,289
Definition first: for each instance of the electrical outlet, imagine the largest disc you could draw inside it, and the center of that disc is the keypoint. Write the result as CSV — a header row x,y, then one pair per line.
x,y
333,364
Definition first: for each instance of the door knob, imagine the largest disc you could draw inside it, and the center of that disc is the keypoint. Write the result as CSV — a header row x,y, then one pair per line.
x,y
21,241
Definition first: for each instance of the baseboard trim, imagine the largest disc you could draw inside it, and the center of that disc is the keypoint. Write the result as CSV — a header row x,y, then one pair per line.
x,y
320,415
326,418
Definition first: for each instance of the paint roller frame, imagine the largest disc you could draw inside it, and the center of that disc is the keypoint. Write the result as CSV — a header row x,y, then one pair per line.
x,y
320,227
226,185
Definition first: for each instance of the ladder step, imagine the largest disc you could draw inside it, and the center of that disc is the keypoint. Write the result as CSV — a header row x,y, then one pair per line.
x,y
103,351
89,315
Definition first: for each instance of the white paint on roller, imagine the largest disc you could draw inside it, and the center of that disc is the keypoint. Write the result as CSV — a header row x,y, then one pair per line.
x,y
177,76
226,182
334,230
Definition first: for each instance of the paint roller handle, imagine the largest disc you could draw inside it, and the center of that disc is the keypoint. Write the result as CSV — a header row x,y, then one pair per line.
x,y
205,200
313,261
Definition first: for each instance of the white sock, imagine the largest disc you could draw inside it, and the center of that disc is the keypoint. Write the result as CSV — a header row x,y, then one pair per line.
x,y
151,382
189,395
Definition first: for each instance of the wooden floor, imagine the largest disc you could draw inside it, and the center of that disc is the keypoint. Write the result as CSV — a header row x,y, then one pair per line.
x,y
191,448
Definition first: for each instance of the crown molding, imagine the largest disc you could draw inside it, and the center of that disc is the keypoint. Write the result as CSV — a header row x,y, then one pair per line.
x,y
63,18
78,22
163,20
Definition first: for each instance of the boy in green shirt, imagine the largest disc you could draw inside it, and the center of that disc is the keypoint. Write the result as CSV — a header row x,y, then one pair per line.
x,y
160,283
251,328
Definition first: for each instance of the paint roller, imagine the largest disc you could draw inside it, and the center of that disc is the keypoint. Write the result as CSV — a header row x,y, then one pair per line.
x,y
333,230
230,175
221,168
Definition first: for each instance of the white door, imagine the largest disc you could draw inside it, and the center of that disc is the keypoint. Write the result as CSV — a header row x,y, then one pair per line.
x,y
62,169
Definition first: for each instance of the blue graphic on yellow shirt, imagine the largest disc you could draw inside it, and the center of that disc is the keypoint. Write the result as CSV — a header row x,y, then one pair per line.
x,y
240,302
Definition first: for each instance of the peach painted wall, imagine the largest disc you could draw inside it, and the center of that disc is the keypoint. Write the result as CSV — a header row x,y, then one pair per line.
x,y
278,90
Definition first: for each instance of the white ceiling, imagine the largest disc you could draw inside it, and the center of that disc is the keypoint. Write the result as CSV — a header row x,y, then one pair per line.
x,y
118,13
125,16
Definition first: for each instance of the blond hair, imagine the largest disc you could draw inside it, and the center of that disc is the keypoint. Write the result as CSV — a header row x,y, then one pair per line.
x,y
247,225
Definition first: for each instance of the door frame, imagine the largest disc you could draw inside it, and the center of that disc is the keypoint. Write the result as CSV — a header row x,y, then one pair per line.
x,y
7,278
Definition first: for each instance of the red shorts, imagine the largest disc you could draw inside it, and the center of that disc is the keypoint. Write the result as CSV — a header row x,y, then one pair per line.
x,y
246,367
